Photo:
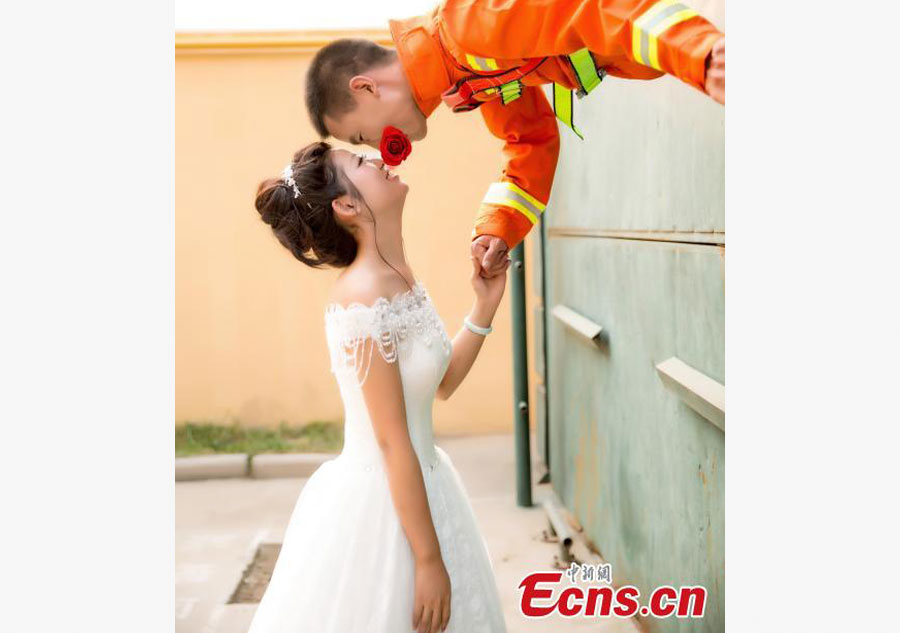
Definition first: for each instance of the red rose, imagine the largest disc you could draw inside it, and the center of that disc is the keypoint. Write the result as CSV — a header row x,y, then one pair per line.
x,y
395,146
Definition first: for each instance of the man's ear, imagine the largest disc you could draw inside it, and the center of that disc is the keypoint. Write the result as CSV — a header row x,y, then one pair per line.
x,y
363,83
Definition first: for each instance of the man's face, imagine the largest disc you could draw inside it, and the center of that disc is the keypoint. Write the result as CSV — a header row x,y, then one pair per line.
x,y
376,109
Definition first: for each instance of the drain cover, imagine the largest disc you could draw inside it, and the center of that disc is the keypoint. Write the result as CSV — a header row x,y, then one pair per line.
x,y
256,576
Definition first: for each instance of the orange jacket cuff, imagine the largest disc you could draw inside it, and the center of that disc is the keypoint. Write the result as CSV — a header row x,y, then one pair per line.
x,y
696,64
503,222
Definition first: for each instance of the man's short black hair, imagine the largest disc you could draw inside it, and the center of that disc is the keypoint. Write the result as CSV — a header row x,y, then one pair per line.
x,y
331,69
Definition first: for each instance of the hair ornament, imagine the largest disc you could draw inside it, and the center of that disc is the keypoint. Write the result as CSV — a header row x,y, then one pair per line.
x,y
287,175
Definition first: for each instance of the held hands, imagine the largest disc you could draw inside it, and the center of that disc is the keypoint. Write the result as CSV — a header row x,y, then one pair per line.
x,y
489,291
431,611
490,251
715,72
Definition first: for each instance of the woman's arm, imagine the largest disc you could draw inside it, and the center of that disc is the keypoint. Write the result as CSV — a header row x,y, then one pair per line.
x,y
467,344
383,395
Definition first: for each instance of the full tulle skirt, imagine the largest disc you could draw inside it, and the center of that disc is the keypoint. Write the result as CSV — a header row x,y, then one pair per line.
x,y
346,565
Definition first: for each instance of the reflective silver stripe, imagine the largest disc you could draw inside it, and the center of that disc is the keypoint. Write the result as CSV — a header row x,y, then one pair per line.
x,y
506,194
516,189
646,28
481,63
658,18
489,62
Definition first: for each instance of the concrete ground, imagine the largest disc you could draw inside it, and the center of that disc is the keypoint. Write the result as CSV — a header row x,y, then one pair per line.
x,y
219,523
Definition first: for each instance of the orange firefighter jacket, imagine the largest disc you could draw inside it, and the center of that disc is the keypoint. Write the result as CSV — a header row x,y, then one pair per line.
x,y
636,39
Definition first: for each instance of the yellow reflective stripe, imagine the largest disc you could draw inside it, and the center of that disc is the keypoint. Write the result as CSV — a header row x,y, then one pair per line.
x,y
481,63
585,70
653,11
540,206
668,22
518,206
507,199
636,44
511,91
562,107
651,24
510,195
638,26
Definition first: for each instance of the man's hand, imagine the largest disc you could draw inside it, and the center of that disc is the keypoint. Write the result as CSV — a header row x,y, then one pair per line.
x,y
490,252
715,72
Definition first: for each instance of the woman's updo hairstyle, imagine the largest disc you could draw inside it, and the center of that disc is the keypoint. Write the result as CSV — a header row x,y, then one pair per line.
x,y
306,225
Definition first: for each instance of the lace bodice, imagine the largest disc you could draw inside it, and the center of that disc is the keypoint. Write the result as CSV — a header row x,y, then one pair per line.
x,y
405,329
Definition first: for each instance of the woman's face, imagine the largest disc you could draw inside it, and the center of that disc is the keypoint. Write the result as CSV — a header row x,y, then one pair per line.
x,y
383,191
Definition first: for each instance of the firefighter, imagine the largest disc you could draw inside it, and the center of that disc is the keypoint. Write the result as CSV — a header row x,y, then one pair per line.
x,y
494,55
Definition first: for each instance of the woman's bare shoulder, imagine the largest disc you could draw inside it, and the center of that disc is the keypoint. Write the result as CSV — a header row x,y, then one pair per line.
x,y
365,286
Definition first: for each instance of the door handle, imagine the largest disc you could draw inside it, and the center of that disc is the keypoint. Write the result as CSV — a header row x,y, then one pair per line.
x,y
697,390
578,323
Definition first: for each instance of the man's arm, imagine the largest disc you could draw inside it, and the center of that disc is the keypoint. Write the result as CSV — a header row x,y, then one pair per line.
x,y
514,203
663,34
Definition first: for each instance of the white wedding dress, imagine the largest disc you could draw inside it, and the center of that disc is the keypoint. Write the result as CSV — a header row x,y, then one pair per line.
x,y
346,565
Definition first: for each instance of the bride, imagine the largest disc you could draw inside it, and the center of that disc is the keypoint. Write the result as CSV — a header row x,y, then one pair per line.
x,y
382,538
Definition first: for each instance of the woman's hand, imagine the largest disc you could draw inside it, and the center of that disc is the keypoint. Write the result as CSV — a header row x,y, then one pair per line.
x,y
431,610
488,290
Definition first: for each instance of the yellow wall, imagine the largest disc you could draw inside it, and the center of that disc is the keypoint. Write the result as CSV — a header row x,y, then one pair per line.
x,y
249,333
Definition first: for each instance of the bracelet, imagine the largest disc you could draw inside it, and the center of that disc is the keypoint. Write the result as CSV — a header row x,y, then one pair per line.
x,y
484,331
